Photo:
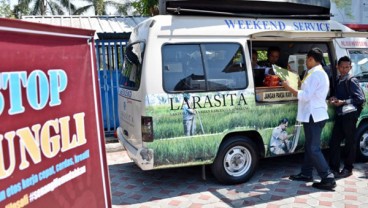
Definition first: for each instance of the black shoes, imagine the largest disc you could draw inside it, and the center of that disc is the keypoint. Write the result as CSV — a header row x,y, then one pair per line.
x,y
344,173
301,177
336,173
325,184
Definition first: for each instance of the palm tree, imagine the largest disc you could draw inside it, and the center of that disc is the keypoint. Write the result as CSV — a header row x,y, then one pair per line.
x,y
100,7
43,7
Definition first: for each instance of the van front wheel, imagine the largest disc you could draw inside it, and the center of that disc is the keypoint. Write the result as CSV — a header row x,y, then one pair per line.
x,y
362,149
236,161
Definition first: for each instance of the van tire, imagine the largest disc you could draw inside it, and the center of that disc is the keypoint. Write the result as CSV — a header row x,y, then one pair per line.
x,y
362,143
236,161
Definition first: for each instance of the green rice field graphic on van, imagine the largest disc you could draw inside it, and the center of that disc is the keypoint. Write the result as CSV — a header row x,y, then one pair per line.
x,y
189,127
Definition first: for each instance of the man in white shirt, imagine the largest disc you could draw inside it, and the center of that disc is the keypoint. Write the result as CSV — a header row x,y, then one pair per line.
x,y
312,112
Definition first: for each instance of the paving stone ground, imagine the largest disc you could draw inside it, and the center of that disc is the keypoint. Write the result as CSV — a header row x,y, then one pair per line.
x,y
269,187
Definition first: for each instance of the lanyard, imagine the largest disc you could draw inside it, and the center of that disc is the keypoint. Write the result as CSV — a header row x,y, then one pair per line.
x,y
308,74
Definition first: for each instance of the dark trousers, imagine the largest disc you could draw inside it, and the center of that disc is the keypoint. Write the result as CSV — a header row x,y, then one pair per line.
x,y
313,156
344,129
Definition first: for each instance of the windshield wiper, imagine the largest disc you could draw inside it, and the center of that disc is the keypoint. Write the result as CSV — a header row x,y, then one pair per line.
x,y
362,74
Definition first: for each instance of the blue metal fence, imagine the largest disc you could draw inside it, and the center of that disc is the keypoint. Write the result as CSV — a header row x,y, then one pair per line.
x,y
110,58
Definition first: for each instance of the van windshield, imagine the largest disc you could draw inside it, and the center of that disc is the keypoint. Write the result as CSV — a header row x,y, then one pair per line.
x,y
131,74
359,59
203,67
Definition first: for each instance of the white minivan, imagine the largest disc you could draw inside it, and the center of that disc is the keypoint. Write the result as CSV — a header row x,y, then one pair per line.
x,y
188,94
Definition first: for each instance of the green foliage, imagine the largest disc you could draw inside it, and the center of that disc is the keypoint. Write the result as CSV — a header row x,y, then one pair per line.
x,y
21,9
189,151
100,7
146,7
5,10
172,148
43,7
262,55
61,7
268,116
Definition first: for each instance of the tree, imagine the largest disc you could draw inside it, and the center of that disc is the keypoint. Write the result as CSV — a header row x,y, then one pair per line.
x,y
100,7
43,7
146,7
5,10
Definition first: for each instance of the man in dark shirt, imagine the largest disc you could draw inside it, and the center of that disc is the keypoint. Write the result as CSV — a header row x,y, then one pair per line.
x,y
348,99
273,56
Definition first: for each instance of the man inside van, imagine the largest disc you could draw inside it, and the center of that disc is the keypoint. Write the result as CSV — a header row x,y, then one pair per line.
x,y
255,60
273,56
258,72
312,112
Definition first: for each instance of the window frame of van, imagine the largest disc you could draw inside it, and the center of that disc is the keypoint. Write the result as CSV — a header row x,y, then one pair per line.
x,y
122,81
254,44
205,68
361,75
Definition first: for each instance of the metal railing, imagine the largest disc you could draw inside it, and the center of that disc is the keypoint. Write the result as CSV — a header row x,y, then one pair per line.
x,y
110,59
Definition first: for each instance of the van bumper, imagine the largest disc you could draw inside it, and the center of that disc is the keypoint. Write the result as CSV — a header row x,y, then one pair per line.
x,y
143,157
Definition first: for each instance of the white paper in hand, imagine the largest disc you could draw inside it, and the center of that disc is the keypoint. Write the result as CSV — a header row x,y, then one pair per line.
x,y
285,74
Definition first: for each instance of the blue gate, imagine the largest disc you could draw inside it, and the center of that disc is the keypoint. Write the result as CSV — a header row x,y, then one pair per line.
x,y
110,58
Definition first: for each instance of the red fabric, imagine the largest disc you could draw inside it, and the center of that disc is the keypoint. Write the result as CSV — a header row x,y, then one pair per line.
x,y
23,52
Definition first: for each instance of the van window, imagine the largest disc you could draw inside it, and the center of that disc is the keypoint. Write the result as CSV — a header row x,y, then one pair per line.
x,y
131,74
359,59
203,67
292,57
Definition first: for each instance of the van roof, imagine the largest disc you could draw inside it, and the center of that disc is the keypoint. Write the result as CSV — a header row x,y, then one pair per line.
x,y
206,26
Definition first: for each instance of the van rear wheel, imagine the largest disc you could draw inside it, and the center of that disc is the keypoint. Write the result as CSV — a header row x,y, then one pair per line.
x,y
236,161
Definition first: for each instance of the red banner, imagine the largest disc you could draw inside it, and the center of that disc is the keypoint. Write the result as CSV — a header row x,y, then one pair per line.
x,y
52,146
